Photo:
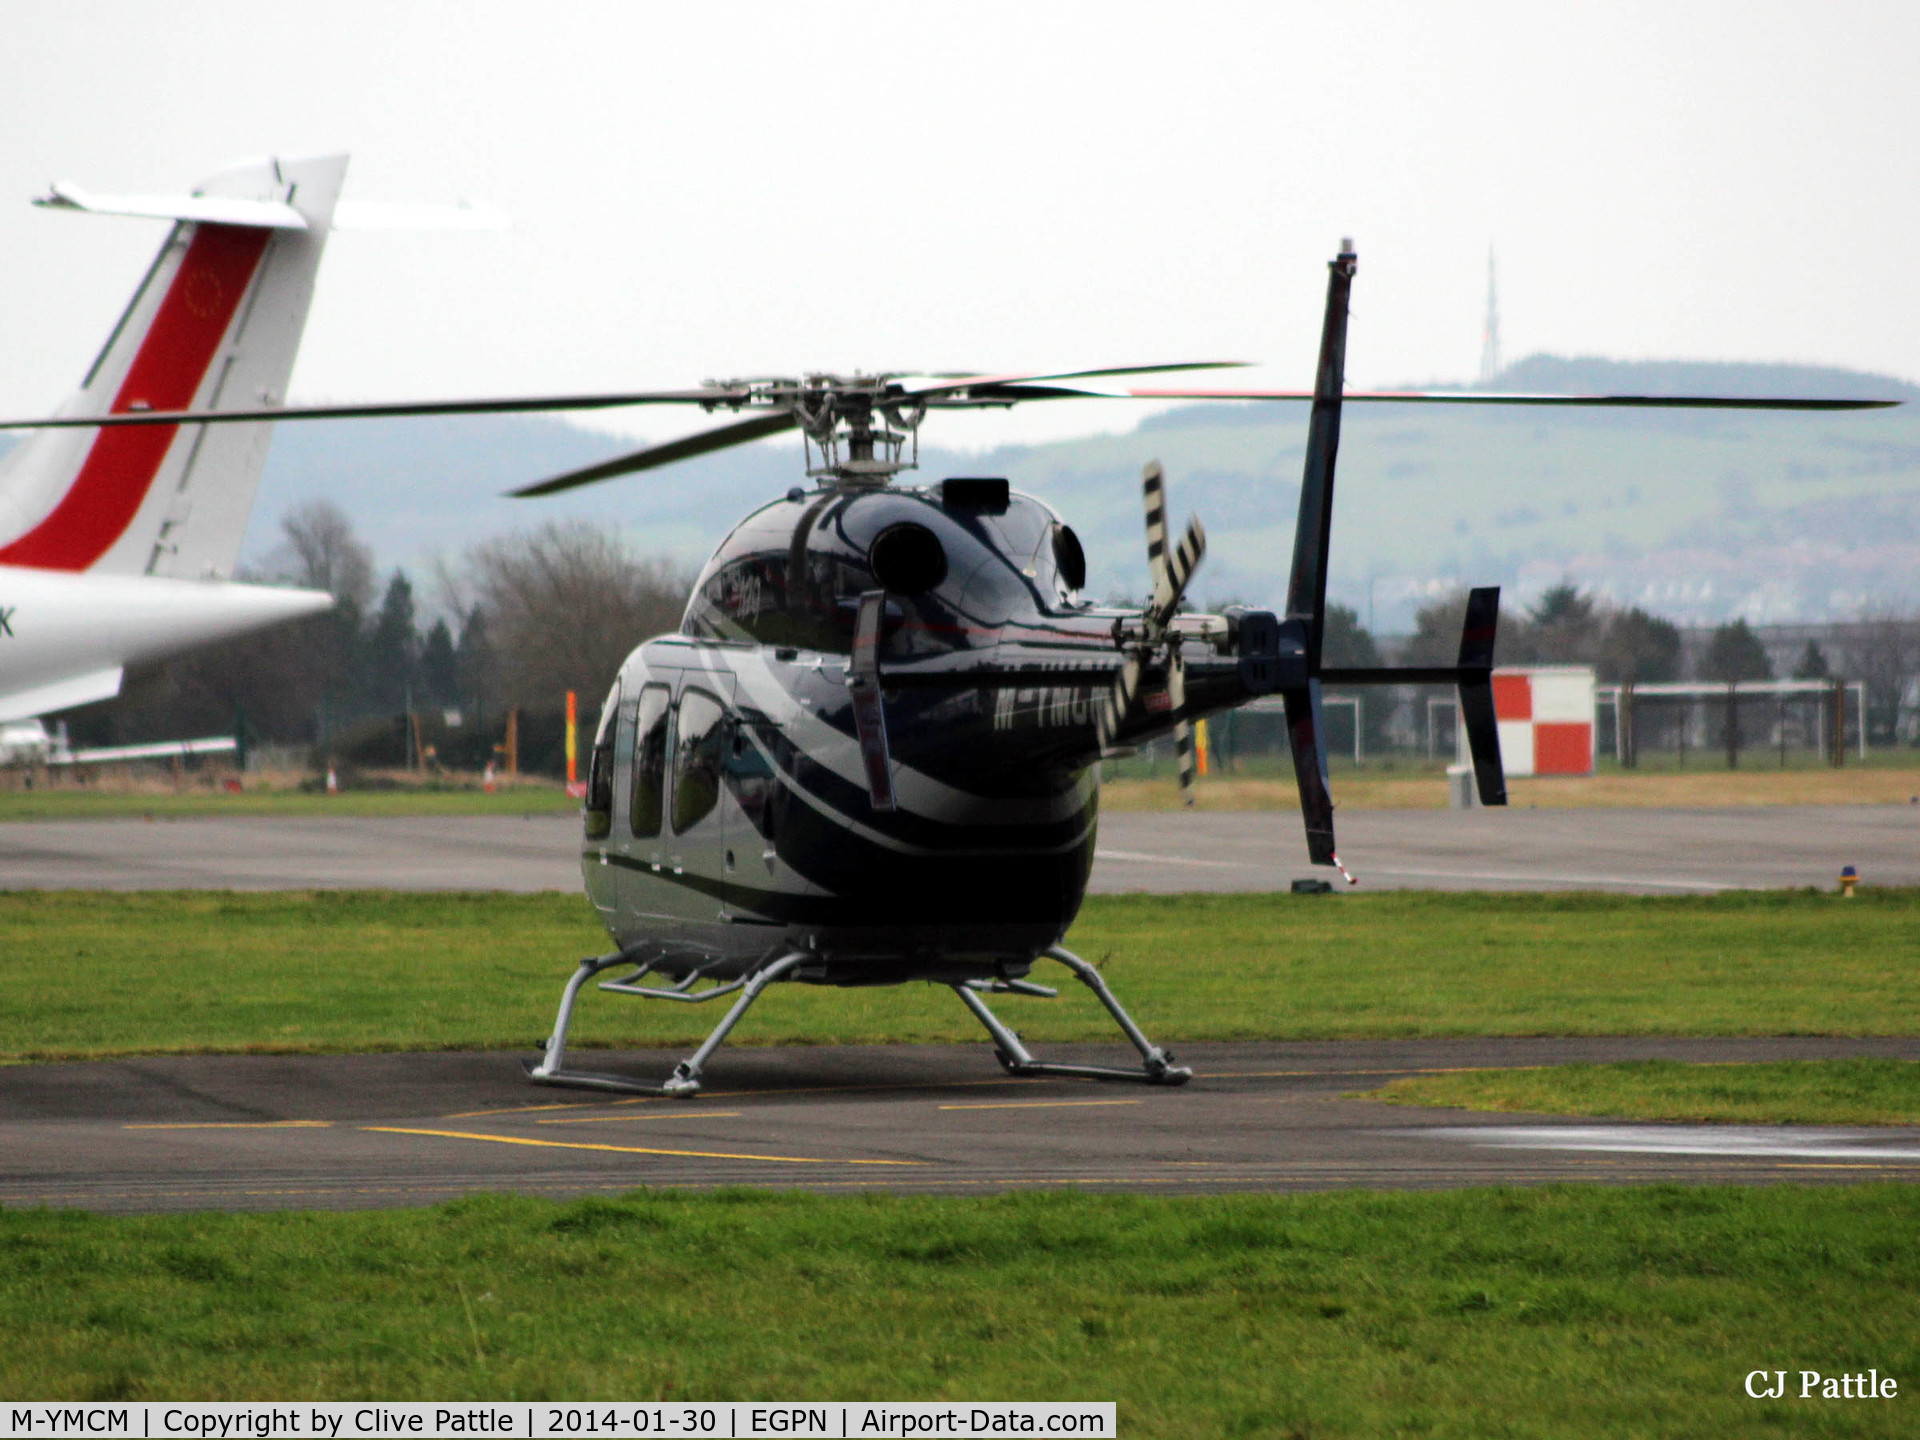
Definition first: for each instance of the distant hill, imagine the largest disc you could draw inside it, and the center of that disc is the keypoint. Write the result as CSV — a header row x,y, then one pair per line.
x,y
1697,515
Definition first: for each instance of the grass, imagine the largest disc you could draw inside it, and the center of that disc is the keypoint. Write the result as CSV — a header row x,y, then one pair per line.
x,y
72,802
1789,1092
90,975
1398,782
1888,777
1543,1312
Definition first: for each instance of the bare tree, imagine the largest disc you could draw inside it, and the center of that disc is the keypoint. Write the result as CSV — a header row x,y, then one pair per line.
x,y
1884,651
564,605
327,555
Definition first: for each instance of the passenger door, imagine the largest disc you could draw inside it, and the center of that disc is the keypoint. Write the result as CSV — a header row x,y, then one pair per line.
x,y
644,882
610,737
695,835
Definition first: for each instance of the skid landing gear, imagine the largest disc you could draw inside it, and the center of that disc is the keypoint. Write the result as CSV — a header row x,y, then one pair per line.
x,y
1157,1067
685,1080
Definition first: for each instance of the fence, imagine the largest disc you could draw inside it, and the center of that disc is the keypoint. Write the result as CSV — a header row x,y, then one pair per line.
x,y
1686,710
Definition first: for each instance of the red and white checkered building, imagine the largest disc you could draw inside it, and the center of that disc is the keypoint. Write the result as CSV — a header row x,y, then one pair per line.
x,y
1545,716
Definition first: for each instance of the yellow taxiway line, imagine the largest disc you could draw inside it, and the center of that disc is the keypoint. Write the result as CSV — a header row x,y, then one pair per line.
x,y
1039,1104
238,1125
630,1149
647,1115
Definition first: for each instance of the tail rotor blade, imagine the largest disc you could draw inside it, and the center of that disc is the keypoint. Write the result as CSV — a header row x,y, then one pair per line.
x,y
1180,565
1118,701
1183,727
1153,495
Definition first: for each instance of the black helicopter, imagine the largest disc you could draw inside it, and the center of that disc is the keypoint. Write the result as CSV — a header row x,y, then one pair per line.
x,y
871,753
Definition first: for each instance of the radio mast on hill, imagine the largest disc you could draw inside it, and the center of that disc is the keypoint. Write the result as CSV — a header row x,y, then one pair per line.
x,y
1490,342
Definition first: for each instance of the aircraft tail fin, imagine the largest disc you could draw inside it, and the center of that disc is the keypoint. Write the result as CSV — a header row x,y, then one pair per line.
x,y
1307,606
215,324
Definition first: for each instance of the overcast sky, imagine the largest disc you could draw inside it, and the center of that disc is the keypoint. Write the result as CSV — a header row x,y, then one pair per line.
x,y
702,191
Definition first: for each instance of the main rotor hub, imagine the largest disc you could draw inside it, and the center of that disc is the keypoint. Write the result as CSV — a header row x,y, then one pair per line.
x,y
864,427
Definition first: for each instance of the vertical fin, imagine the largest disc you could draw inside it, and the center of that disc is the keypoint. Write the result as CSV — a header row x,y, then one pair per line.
x,y
1306,735
1477,635
215,324
1307,584
1313,532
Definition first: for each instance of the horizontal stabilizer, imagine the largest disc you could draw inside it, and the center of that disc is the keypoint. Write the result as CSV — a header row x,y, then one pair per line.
x,y
213,209
62,694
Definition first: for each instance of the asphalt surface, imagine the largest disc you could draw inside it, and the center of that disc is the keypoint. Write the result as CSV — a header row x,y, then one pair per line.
x,y
1648,851
372,1131
344,1132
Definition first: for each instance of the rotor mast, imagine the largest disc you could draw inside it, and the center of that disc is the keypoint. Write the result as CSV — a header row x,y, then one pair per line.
x,y
866,430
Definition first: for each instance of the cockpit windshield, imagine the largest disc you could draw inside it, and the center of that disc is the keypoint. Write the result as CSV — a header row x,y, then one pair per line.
x,y
792,573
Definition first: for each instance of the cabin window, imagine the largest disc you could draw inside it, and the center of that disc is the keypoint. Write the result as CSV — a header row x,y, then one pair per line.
x,y
697,758
644,804
600,770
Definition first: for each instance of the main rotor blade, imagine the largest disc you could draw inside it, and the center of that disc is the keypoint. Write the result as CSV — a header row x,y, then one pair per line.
x,y
1495,397
505,405
654,456
933,386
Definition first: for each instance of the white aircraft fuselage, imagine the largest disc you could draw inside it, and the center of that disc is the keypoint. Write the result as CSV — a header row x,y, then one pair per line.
x,y
68,639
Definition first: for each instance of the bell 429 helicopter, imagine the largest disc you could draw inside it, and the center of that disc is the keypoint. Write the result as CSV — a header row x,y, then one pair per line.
x,y
871,753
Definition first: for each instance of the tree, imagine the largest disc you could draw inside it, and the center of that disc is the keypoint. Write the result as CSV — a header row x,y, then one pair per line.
x,y
1565,629
325,553
393,647
1885,652
1638,649
1812,665
475,660
564,605
1735,653
1347,644
440,666
1436,634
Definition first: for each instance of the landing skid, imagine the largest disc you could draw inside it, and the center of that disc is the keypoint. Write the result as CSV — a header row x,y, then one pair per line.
x,y
685,1080
1157,1067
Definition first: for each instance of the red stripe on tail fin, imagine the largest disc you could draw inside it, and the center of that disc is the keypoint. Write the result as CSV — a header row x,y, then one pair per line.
x,y
166,374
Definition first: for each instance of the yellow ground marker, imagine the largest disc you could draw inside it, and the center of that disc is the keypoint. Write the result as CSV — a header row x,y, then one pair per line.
x,y
238,1125
1039,1104
628,1149
645,1115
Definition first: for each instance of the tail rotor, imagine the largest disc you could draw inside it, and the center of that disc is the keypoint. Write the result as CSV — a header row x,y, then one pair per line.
x,y
1143,639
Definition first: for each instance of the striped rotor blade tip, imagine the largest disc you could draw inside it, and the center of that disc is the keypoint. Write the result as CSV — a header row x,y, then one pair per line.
x,y
1153,493
1181,564
1183,748
1119,700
